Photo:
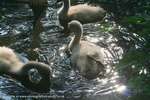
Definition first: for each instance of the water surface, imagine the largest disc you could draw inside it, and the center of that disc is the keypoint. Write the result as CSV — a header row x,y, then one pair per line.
x,y
15,32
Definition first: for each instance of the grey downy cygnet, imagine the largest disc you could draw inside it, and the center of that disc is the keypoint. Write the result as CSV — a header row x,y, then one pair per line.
x,y
87,57
82,12
33,75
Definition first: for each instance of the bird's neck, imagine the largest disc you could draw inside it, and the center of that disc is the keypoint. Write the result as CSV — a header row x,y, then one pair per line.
x,y
65,6
75,41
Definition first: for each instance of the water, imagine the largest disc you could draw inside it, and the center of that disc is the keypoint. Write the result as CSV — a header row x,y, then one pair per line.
x,y
15,32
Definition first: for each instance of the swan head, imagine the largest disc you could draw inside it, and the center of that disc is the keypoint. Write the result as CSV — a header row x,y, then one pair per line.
x,y
75,27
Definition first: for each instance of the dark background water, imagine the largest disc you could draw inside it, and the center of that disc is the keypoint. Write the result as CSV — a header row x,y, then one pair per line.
x,y
15,32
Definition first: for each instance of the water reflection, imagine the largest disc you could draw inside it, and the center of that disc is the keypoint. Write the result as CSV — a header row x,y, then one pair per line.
x,y
68,83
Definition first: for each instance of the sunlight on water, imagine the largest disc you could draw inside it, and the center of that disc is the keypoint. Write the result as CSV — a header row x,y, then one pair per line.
x,y
104,81
94,40
62,50
121,88
143,71
112,54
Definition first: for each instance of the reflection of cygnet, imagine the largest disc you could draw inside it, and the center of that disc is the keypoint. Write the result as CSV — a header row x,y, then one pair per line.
x,y
81,12
33,75
86,56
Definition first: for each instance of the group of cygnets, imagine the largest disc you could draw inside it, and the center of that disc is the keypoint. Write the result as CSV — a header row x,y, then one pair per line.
x,y
85,56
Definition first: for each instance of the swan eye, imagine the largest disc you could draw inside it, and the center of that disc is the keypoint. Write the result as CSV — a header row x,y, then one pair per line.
x,y
34,76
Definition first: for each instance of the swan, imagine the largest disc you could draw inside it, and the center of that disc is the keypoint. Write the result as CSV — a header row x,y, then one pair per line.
x,y
87,57
33,75
82,12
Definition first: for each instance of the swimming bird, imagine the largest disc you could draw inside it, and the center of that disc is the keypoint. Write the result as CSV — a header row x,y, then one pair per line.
x,y
87,57
33,75
82,12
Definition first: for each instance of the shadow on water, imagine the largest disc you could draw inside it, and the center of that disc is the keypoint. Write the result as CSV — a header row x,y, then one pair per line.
x,y
69,85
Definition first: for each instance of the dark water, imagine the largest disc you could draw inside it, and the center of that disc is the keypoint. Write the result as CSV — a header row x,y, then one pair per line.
x,y
15,32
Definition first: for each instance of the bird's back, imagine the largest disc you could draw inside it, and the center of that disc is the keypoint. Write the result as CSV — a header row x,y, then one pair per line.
x,y
80,52
86,13
88,58
8,57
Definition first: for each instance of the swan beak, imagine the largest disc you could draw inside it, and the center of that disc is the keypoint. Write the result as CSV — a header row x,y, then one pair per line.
x,y
34,76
